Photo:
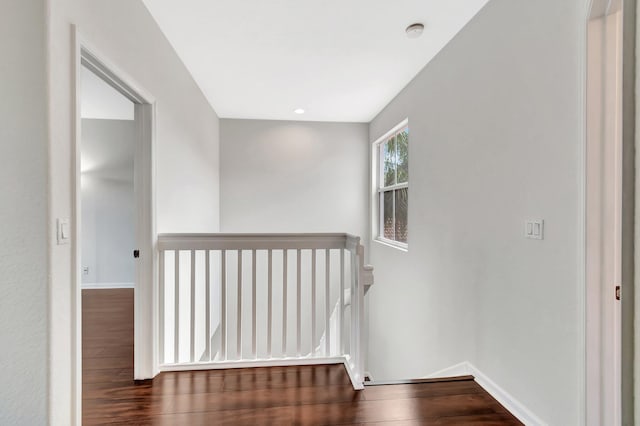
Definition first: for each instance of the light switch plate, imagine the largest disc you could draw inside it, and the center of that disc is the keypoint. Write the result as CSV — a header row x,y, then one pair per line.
x,y
63,231
534,229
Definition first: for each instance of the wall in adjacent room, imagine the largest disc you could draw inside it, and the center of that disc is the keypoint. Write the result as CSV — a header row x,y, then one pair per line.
x,y
108,238
108,204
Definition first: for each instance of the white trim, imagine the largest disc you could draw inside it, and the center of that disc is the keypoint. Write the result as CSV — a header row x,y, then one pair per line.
x,y
393,187
146,297
76,249
389,382
514,406
602,209
256,241
395,129
353,375
145,364
461,369
447,378
393,244
116,77
275,362
88,286
509,402
375,225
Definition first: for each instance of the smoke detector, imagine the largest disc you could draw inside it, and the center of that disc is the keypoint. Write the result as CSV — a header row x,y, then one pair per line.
x,y
414,30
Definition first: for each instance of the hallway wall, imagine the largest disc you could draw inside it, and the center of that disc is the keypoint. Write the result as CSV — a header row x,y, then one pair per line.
x,y
24,319
301,177
186,152
496,136
284,176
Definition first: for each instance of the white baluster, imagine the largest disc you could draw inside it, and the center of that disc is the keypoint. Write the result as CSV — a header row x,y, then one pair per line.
x,y
327,301
192,322
284,303
269,300
239,309
341,304
353,341
254,335
207,304
161,351
176,316
298,305
223,305
313,302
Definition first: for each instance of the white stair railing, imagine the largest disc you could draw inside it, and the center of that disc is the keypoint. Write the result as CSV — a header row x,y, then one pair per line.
x,y
248,300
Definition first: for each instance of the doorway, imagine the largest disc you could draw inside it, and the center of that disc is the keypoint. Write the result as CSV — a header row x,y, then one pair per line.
x,y
108,139
114,221
609,212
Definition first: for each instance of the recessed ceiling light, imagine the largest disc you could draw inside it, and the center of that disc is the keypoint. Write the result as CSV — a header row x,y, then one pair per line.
x,y
415,30
298,111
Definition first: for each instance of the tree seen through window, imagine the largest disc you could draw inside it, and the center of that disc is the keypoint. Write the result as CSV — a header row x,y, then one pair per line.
x,y
393,187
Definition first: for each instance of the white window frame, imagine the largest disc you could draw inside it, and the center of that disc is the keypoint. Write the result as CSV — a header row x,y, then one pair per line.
x,y
377,180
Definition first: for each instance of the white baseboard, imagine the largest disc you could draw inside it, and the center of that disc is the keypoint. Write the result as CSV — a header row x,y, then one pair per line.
x,y
514,406
461,369
107,285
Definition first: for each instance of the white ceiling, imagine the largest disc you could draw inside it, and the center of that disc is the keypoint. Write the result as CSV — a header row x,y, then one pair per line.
x,y
99,100
340,60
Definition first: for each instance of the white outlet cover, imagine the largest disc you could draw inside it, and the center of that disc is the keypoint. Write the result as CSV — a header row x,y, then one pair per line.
x,y
534,229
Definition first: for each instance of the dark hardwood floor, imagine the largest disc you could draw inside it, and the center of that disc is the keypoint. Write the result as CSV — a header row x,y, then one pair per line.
x,y
312,395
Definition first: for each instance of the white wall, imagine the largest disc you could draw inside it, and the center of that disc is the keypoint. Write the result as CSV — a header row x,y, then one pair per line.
x,y
108,204
496,137
23,206
108,238
281,176
187,147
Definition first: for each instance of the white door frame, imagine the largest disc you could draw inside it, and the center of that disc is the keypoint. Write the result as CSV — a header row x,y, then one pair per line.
x,y
145,305
603,256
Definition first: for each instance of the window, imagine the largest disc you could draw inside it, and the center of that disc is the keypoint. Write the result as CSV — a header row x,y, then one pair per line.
x,y
392,186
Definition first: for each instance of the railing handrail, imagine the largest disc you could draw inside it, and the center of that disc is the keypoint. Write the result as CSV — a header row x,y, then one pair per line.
x,y
257,241
361,277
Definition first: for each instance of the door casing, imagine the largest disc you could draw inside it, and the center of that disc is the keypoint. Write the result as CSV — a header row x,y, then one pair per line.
x,y
145,299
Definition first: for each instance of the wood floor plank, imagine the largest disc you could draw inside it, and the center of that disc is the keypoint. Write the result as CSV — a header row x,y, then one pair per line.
x,y
423,390
300,395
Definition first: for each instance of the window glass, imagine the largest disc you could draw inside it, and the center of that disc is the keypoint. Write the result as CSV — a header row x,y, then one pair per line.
x,y
393,187
387,223
390,162
402,161
401,210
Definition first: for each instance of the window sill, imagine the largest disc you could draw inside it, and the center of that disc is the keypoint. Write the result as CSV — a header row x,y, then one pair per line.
x,y
393,244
